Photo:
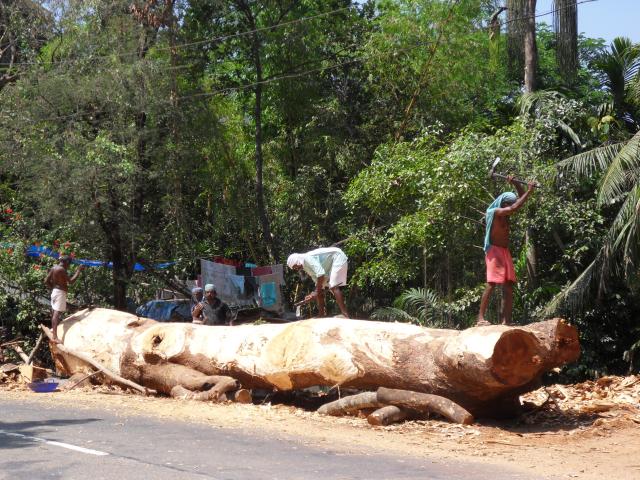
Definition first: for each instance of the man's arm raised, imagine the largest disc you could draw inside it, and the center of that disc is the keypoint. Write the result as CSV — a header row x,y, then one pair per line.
x,y
75,275
518,185
511,209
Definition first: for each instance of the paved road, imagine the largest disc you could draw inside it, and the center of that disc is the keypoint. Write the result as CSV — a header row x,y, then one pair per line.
x,y
63,443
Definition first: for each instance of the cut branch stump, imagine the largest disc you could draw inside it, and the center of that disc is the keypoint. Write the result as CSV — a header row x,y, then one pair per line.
x,y
387,415
423,402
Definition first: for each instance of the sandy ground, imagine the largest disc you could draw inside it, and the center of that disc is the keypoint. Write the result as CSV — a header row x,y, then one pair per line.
x,y
551,441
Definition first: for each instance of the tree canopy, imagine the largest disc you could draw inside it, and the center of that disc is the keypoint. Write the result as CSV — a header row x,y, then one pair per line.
x,y
144,131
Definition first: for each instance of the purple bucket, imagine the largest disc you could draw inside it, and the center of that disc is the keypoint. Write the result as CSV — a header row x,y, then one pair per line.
x,y
43,387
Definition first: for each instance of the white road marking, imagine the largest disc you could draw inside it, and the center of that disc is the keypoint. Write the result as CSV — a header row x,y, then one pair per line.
x,y
57,444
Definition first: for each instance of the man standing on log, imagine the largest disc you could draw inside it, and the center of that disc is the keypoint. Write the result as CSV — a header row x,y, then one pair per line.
x,y
496,247
327,267
58,281
211,310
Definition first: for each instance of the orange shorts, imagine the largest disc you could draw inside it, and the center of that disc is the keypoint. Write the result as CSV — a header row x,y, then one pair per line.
x,y
499,265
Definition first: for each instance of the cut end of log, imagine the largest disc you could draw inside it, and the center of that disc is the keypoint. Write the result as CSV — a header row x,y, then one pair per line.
x,y
386,416
567,342
515,358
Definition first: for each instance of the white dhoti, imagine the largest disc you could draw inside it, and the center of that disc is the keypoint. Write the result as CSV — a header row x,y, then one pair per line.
x,y
59,300
338,275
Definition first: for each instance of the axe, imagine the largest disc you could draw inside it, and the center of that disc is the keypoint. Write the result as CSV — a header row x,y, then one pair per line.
x,y
493,175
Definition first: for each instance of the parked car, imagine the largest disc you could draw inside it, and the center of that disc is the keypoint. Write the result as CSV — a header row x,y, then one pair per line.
x,y
175,310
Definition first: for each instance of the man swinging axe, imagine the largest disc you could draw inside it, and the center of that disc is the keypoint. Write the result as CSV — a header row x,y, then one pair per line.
x,y
498,259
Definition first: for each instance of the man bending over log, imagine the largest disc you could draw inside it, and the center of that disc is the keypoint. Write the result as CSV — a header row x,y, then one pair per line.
x,y
498,259
327,267
58,281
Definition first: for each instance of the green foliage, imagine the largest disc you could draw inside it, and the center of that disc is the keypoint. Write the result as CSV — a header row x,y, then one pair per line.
x,y
135,136
416,305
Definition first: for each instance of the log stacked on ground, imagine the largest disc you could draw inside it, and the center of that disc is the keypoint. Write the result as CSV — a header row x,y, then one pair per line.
x,y
473,367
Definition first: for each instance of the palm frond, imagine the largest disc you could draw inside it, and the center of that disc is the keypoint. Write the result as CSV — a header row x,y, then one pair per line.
x,y
572,296
392,314
570,133
625,230
416,298
597,159
631,251
620,64
616,180
415,305
529,102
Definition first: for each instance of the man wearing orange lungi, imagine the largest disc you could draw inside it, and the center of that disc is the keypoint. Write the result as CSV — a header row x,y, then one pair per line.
x,y
500,269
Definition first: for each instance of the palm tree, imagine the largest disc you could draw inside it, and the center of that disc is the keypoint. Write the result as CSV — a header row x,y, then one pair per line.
x,y
619,184
619,67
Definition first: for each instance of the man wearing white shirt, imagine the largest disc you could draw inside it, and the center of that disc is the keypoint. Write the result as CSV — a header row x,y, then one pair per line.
x,y
327,267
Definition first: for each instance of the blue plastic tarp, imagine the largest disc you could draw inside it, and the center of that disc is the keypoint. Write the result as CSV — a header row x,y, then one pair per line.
x,y
36,251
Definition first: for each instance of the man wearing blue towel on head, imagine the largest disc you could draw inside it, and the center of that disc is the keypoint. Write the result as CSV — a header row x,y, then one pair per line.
x,y
498,259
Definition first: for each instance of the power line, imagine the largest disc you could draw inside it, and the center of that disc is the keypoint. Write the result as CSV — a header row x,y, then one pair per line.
x,y
542,14
281,77
248,85
199,42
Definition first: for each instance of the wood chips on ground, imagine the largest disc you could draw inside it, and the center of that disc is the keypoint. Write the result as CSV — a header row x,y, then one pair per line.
x,y
588,430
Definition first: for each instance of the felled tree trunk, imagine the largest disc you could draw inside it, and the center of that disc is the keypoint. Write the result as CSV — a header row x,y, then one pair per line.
x,y
473,367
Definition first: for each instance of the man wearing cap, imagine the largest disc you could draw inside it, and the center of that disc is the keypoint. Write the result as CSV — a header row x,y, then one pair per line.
x,y
196,297
58,281
211,310
327,267
498,259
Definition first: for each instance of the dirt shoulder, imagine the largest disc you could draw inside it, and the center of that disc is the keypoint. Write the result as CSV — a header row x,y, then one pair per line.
x,y
585,431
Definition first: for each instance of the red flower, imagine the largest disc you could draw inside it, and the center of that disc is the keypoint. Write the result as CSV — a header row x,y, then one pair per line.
x,y
9,251
8,210
67,244
72,255
36,267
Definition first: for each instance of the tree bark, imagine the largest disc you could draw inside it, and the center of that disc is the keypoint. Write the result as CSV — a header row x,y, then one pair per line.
x,y
423,402
387,415
473,367
530,48
245,8
350,404
68,352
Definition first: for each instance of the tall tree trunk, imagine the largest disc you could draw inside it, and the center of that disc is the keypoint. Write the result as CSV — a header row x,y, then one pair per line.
x,y
262,211
516,22
565,23
530,48
532,257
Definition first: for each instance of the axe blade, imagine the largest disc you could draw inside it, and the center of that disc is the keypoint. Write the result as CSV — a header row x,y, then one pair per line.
x,y
493,167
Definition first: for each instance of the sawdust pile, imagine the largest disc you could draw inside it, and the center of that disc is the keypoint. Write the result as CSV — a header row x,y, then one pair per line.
x,y
607,397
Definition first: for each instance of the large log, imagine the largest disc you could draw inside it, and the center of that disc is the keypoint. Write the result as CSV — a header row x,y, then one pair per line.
x,y
472,367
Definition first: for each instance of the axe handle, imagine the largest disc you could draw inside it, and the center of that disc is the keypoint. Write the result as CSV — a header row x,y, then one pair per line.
x,y
522,182
302,302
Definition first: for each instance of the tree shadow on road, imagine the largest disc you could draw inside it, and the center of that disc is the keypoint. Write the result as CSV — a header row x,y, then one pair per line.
x,y
21,434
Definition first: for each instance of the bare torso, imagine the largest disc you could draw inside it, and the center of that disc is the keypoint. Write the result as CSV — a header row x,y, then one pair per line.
x,y
500,231
59,278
